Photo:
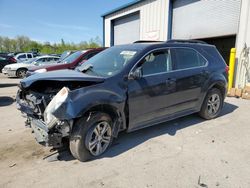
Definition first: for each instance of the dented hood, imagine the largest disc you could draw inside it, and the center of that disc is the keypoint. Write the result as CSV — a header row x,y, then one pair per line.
x,y
60,75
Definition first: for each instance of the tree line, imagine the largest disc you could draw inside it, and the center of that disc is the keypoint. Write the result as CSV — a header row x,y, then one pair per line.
x,y
25,44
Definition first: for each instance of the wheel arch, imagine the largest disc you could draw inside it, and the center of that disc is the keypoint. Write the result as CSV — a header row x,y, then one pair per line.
x,y
218,83
21,68
116,115
220,86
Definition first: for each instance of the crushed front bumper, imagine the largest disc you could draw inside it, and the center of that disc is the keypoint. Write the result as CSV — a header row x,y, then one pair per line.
x,y
43,135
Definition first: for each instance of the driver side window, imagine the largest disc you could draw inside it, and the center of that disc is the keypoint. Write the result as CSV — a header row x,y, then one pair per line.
x,y
156,62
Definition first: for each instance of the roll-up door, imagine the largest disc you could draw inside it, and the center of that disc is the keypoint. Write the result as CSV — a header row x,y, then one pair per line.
x,y
196,19
127,29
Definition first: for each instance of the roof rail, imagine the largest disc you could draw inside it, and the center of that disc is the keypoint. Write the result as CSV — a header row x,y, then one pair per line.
x,y
186,41
146,41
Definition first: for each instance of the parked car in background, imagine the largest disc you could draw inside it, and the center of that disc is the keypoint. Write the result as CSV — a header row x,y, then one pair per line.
x,y
6,60
126,87
13,53
66,54
4,53
20,69
23,56
70,62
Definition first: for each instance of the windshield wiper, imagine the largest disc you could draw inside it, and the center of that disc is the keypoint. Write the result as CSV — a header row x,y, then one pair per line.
x,y
86,68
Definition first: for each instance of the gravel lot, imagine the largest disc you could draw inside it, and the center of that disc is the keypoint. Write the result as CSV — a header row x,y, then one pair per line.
x,y
188,152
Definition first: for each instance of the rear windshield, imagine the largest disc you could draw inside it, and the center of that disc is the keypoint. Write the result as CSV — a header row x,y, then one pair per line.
x,y
71,58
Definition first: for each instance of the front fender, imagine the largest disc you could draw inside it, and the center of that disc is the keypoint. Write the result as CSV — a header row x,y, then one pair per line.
x,y
80,100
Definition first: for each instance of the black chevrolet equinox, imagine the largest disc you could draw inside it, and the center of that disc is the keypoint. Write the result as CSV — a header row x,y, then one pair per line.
x,y
125,87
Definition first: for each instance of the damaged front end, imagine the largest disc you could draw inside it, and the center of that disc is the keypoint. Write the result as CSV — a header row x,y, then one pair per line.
x,y
39,109
44,99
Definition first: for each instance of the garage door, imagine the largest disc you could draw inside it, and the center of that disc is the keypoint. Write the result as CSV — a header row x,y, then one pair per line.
x,y
195,19
126,29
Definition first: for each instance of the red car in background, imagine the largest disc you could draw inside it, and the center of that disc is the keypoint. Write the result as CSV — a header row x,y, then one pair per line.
x,y
70,62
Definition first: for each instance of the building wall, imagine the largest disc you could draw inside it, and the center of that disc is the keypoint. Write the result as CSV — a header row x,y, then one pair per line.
x,y
152,26
243,38
197,19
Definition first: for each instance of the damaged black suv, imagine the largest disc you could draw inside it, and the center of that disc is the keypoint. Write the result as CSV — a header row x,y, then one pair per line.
x,y
126,87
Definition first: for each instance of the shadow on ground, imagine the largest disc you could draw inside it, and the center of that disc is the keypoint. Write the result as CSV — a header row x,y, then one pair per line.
x,y
126,141
6,101
7,85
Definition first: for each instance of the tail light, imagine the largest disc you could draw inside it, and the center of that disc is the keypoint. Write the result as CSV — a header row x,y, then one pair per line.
x,y
227,69
13,59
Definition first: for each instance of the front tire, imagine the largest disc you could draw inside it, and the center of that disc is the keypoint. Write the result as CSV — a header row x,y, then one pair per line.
x,y
212,104
91,136
21,73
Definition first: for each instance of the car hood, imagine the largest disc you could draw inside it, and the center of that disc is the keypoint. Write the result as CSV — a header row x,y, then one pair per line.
x,y
40,67
54,65
60,75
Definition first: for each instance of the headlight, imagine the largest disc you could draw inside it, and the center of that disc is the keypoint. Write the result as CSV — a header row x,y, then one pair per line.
x,y
41,70
54,104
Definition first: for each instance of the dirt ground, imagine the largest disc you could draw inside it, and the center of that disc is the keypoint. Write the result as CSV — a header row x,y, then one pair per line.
x,y
187,152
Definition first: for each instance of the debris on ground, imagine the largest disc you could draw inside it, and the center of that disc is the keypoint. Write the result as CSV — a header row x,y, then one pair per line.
x,y
224,161
12,165
52,157
102,184
201,184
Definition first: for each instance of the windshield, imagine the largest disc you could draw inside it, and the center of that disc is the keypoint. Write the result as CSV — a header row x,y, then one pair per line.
x,y
109,62
71,58
64,55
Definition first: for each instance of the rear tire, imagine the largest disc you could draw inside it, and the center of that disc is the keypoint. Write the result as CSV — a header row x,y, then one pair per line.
x,y
212,104
91,136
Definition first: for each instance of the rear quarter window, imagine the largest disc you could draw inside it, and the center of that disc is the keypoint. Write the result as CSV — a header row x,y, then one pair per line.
x,y
214,55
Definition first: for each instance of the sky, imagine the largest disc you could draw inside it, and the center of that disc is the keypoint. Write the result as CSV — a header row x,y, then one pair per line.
x,y
52,20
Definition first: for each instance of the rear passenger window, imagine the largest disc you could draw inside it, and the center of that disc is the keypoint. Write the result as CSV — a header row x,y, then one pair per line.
x,y
29,56
184,58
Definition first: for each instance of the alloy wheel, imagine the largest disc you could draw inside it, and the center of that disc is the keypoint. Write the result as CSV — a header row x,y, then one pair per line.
x,y
213,104
99,138
21,73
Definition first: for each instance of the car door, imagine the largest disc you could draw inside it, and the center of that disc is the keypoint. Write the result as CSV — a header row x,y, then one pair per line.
x,y
191,72
150,95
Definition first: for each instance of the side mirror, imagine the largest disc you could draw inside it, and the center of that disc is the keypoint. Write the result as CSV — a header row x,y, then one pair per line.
x,y
136,74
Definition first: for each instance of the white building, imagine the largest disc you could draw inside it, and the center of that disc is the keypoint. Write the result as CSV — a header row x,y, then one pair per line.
x,y
224,23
